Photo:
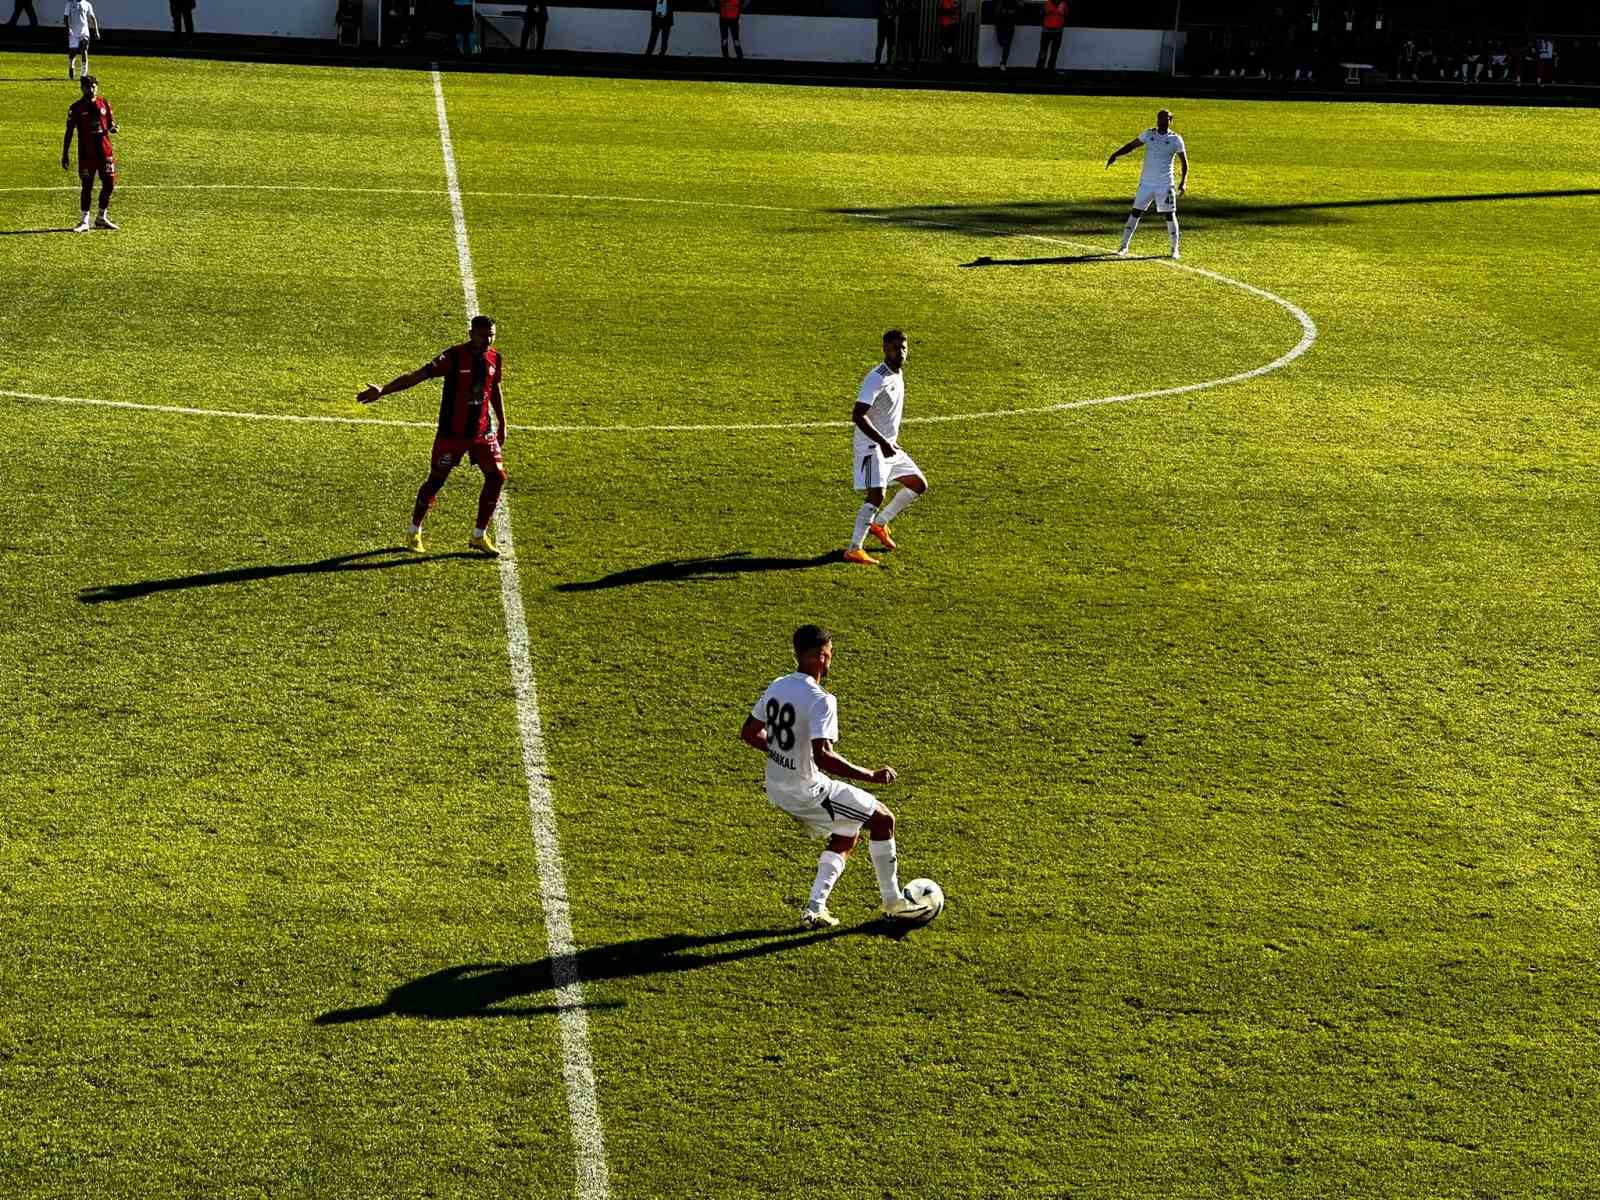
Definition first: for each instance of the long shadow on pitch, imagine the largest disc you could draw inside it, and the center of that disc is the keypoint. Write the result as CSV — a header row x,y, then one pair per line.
x,y
1103,216
32,232
494,989
366,560
983,260
736,562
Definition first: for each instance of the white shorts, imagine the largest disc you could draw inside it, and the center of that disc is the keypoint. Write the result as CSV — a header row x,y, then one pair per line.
x,y
1165,198
833,807
75,43
873,470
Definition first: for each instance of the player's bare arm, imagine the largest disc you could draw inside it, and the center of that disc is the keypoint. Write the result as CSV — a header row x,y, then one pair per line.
x,y
372,391
1183,159
859,416
66,145
497,402
754,734
829,760
1121,150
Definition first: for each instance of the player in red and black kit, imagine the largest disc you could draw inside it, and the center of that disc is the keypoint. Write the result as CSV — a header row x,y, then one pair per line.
x,y
92,119
472,374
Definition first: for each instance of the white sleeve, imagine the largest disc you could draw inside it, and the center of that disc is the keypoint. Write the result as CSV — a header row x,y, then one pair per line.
x,y
1181,148
869,388
825,718
759,712
1143,137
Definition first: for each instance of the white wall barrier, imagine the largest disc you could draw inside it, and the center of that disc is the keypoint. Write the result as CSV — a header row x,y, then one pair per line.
x,y
625,31
274,18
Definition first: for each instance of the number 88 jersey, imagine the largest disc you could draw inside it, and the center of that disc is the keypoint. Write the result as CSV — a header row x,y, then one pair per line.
x,y
795,711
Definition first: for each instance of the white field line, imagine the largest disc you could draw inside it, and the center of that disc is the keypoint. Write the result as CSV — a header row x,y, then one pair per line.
x,y
577,1064
1308,328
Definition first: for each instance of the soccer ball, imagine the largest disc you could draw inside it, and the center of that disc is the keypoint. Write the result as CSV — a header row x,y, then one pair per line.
x,y
925,891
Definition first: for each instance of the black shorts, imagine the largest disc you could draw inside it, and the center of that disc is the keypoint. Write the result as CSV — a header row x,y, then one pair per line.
x,y
729,25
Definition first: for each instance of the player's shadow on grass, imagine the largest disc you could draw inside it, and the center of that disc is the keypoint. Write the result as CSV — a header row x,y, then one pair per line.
x,y
1103,216
1065,260
32,232
495,989
736,562
366,560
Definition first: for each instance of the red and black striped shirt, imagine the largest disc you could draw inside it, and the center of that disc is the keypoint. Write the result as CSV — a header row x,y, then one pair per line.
x,y
471,380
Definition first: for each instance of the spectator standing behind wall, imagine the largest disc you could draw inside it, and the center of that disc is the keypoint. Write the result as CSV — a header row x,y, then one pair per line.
x,y
888,14
20,7
728,23
1006,13
660,23
1545,49
949,29
1050,30
182,19
466,26
535,20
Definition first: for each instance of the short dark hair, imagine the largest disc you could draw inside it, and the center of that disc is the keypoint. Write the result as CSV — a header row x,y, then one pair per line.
x,y
894,335
810,638
482,322
89,80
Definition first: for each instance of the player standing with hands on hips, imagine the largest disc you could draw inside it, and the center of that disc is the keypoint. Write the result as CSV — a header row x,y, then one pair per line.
x,y
795,724
1161,146
472,373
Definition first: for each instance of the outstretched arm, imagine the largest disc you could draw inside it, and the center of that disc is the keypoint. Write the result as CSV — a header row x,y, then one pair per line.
x,y
399,384
829,760
1121,150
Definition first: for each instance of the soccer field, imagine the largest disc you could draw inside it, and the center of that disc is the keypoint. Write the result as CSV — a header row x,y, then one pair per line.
x,y
1239,664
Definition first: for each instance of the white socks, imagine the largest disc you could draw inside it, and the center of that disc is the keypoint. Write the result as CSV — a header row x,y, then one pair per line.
x,y
1172,232
885,863
902,501
829,867
867,515
478,533
1127,232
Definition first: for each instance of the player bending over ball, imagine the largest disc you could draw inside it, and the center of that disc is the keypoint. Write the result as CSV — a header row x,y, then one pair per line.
x,y
92,118
879,460
795,724
472,374
1161,146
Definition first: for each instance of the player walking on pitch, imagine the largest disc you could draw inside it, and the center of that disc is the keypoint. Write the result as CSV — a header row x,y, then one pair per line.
x,y
1161,146
472,374
78,17
879,460
795,724
93,121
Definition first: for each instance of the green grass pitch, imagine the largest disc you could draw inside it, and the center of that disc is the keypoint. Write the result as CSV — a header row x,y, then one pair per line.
x,y
1253,732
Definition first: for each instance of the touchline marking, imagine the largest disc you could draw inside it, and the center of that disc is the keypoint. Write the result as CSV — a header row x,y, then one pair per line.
x,y
577,1064
1308,327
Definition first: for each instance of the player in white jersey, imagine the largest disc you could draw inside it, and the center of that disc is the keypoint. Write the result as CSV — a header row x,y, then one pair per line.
x,y
1161,146
78,18
795,724
879,461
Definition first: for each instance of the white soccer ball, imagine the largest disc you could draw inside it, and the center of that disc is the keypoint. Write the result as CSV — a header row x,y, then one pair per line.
x,y
925,891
